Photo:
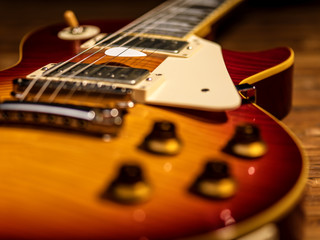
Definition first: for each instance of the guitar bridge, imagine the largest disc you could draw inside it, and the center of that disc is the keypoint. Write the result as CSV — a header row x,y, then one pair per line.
x,y
89,92
80,118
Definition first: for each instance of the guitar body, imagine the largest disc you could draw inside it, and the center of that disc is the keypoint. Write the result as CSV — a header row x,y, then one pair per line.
x,y
53,182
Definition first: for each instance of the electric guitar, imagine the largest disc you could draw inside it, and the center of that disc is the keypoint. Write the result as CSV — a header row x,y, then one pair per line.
x,y
148,132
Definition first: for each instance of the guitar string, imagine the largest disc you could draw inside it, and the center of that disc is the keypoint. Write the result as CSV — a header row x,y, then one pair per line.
x,y
189,27
54,95
74,88
140,60
41,91
138,26
123,61
186,3
160,37
121,30
73,75
113,57
33,82
153,27
123,44
44,87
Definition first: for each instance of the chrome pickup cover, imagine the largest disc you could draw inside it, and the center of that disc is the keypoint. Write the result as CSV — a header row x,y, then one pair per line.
x,y
144,43
147,44
112,74
100,79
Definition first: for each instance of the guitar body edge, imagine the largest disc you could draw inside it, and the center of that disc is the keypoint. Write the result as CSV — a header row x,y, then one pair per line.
x,y
271,73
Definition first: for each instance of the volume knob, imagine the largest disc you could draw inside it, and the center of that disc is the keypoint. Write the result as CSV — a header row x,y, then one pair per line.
x,y
246,142
162,139
215,181
129,186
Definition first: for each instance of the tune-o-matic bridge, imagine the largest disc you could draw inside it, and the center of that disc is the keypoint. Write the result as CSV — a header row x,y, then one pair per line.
x,y
80,118
92,93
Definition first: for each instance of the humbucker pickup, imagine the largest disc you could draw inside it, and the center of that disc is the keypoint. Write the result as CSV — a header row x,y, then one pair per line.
x,y
151,44
171,47
101,79
93,72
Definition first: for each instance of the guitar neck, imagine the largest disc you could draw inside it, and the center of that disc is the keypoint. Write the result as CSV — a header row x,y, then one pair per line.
x,y
181,18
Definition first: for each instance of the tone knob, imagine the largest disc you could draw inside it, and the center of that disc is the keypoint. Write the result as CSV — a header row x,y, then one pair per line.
x,y
246,142
129,187
163,139
215,181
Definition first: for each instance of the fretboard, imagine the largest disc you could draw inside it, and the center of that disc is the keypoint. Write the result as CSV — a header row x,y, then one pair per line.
x,y
178,18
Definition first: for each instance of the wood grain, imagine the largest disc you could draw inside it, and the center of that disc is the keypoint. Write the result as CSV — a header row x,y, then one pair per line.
x,y
52,186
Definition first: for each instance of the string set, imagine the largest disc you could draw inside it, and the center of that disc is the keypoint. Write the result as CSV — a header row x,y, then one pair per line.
x,y
132,30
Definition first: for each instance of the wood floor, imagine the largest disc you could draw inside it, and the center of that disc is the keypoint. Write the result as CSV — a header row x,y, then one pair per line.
x,y
251,27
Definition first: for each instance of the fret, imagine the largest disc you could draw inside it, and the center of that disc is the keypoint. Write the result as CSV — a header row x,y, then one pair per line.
x,y
179,19
208,3
201,13
176,19
174,23
192,20
202,7
164,32
168,27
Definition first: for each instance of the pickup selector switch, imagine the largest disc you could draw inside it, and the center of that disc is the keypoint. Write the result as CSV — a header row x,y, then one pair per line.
x,y
129,186
162,139
215,181
76,31
246,142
